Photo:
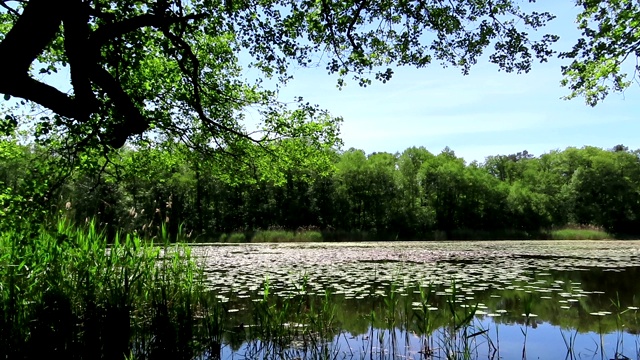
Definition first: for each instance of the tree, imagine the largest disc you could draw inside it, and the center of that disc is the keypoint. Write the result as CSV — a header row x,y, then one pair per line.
x,y
605,191
508,167
409,164
443,181
610,37
171,65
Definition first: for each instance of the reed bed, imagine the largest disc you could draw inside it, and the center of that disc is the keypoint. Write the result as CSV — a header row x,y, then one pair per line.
x,y
272,236
71,293
580,234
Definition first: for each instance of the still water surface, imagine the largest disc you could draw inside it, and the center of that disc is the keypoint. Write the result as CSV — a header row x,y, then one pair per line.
x,y
535,300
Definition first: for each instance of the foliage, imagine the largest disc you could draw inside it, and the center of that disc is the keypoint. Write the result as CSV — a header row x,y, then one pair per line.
x,y
344,196
68,293
172,65
608,48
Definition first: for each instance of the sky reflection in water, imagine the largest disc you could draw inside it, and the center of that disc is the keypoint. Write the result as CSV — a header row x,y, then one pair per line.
x,y
566,283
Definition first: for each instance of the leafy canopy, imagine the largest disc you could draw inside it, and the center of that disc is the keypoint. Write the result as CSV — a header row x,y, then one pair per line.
x,y
171,67
610,38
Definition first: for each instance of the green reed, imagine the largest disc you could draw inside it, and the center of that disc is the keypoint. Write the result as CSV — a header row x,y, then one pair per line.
x,y
292,326
459,335
569,343
580,234
424,319
70,292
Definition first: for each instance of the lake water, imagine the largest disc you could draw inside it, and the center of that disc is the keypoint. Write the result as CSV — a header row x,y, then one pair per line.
x,y
421,300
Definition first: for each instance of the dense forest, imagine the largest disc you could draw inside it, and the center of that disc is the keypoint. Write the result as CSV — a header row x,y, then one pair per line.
x,y
410,195
146,122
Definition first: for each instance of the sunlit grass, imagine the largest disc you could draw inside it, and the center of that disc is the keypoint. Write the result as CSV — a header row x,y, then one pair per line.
x,y
285,236
71,292
580,234
272,236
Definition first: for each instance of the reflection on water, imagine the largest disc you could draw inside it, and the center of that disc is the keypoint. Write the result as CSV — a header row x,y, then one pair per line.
x,y
546,300
546,342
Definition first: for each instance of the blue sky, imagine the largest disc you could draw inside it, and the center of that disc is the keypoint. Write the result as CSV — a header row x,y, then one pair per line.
x,y
485,113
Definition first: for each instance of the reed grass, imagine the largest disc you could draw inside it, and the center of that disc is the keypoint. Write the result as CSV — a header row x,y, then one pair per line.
x,y
71,293
272,236
294,326
283,236
580,234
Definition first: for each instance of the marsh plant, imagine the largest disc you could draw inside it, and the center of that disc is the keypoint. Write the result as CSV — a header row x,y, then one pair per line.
x,y
68,292
292,326
272,236
459,339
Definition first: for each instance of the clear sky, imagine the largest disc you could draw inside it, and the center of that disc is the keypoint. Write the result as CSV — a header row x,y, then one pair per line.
x,y
485,113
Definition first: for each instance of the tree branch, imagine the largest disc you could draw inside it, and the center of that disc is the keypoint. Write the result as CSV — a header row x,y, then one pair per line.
x,y
352,24
23,86
76,36
110,31
9,9
32,32
135,122
193,74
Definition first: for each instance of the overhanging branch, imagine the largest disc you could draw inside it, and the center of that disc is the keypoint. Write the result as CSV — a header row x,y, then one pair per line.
x,y
111,31
40,93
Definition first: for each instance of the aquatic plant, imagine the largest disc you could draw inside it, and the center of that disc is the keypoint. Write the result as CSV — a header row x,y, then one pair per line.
x,y
70,292
580,234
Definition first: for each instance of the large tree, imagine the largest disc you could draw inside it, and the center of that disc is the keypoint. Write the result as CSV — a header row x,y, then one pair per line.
x,y
171,65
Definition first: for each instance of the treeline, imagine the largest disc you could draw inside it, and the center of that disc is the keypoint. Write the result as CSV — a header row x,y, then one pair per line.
x,y
410,195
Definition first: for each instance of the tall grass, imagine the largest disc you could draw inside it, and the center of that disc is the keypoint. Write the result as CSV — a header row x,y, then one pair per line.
x,y
580,234
282,236
67,293
272,236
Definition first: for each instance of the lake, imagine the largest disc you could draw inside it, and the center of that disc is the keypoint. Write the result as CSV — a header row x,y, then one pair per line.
x,y
422,300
